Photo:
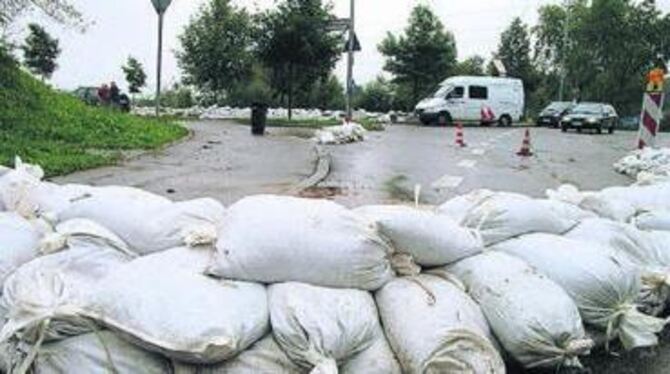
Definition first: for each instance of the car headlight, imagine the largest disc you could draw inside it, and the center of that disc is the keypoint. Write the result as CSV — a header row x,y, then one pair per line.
x,y
592,120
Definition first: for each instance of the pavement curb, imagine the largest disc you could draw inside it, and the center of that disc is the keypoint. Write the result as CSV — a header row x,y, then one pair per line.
x,y
321,172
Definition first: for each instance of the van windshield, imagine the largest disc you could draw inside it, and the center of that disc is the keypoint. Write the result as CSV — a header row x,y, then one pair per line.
x,y
443,91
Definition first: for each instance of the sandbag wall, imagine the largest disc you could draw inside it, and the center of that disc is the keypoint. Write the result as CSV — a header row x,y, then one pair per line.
x,y
98,279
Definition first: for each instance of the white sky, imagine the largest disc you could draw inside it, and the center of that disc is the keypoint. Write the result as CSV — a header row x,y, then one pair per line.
x,y
128,27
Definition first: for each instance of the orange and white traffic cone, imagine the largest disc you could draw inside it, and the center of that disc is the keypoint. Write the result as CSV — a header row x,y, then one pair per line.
x,y
525,146
460,141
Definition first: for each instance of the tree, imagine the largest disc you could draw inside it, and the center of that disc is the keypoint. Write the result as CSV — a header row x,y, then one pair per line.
x,y
40,51
216,47
514,51
295,45
376,96
61,11
471,66
135,75
423,56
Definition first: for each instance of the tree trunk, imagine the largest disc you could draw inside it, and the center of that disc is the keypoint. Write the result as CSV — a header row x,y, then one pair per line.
x,y
290,92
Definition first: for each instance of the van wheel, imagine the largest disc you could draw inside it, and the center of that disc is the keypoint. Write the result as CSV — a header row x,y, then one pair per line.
x,y
610,130
444,119
505,121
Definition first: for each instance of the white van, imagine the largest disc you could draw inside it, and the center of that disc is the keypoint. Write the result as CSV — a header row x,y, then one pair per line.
x,y
474,99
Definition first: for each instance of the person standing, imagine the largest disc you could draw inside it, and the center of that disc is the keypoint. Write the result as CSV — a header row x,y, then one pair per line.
x,y
104,94
114,93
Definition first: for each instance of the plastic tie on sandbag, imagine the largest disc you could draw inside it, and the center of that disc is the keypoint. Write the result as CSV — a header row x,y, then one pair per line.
x,y
199,235
52,243
579,347
403,264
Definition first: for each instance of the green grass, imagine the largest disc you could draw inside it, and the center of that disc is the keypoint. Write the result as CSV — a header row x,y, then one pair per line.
x,y
368,124
62,134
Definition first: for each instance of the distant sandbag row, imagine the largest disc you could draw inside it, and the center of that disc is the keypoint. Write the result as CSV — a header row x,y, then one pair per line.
x,y
111,277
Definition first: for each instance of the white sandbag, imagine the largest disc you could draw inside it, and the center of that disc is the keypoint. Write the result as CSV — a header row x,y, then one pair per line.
x,y
195,260
567,193
19,243
648,251
655,220
616,209
623,203
273,239
458,207
377,359
532,317
348,132
149,223
322,328
431,239
504,216
434,327
51,286
263,357
188,317
602,286
99,352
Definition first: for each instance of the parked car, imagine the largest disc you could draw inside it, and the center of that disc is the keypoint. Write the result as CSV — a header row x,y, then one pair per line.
x,y
596,116
552,114
89,95
464,98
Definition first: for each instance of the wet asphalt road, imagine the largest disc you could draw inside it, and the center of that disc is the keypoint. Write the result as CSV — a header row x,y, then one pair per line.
x,y
389,165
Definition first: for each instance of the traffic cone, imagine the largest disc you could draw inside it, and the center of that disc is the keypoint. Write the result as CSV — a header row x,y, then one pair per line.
x,y
525,146
459,136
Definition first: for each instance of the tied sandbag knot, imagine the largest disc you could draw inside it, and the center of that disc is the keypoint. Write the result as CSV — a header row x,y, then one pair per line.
x,y
579,347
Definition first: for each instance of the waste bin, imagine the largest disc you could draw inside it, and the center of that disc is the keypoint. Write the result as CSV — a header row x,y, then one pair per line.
x,y
259,115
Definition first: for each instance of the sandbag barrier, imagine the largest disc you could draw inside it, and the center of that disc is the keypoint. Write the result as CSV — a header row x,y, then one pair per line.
x,y
116,279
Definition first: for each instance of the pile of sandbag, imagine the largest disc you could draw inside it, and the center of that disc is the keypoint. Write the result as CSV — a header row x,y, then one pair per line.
x,y
117,279
650,161
348,132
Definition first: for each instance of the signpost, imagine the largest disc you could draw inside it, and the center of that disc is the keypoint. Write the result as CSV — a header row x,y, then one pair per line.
x,y
161,6
652,108
350,62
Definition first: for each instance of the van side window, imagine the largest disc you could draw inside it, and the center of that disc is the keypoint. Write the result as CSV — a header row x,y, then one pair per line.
x,y
457,93
479,92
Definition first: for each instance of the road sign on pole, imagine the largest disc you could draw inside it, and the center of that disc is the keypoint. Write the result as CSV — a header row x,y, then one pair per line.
x,y
161,7
339,24
652,109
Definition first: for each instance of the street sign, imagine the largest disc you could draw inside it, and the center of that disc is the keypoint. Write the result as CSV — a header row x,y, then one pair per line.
x,y
357,44
161,5
339,24
500,66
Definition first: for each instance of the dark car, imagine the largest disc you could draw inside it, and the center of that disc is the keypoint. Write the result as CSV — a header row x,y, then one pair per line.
x,y
595,116
552,114
89,95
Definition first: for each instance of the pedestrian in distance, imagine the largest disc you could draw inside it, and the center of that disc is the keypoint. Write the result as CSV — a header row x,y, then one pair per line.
x,y
114,93
104,94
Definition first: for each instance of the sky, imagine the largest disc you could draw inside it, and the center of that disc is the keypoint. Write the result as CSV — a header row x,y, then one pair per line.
x,y
121,28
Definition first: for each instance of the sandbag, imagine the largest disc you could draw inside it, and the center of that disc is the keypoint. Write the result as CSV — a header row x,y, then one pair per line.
x,y
504,216
50,286
431,239
602,286
655,220
648,251
458,207
434,327
99,352
532,317
623,203
263,357
147,222
322,328
19,243
273,239
188,317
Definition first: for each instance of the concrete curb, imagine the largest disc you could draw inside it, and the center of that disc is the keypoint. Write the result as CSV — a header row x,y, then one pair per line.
x,y
321,172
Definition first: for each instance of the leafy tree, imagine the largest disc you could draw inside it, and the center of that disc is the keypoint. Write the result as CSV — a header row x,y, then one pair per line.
x,y
40,51
514,51
215,50
135,75
59,10
471,66
423,56
294,44
376,96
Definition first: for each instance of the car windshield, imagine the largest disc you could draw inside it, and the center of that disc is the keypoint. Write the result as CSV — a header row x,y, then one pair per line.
x,y
587,109
443,91
556,107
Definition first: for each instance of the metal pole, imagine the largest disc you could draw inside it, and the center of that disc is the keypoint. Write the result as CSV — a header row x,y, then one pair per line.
x,y
566,36
159,64
350,64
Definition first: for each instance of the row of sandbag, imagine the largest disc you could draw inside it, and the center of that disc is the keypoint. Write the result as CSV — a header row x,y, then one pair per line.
x,y
70,307
272,239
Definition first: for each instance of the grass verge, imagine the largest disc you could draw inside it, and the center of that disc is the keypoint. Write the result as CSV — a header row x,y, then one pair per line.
x,y
62,134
